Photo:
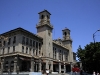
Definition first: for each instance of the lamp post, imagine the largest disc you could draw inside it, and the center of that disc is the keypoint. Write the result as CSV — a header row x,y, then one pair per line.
x,y
94,35
94,44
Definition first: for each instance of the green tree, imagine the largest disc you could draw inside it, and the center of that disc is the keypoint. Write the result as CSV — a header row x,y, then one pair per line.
x,y
90,56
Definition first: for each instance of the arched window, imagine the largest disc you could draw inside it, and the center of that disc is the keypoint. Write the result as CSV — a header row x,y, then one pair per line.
x,y
6,63
12,66
6,66
12,63
65,33
42,16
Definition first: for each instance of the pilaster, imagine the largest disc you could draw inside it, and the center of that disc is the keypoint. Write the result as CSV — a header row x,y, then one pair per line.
x,y
64,68
39,64
59,67
15,64
32,64
2,65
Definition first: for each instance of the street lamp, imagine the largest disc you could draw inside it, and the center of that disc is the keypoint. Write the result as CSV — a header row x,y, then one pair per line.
x,y
94,35
94,44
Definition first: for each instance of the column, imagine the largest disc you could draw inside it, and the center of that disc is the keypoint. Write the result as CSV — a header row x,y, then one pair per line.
x,y
64,68
40,65
15,64
51,66
2,64
47,66
59,67
32,64
9,64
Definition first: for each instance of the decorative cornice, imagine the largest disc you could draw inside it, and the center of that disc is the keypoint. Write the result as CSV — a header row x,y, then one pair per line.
x,y
20,30
41,25
61,45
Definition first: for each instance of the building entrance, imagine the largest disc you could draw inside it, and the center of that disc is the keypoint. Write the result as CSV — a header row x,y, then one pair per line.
x,y
25,67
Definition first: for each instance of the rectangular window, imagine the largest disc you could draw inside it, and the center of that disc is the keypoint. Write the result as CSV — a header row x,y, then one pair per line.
x,y
14,41
33,51
9,41
60,55
36,44
55,53
13,48
30,51
3,51
39,45
23,49
66,56
4,43
30,42
8,49
33,43
26,49
23,40
27,40
36,52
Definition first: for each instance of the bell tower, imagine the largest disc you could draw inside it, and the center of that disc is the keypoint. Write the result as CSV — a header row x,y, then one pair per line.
x,y
67,41
44,18
66,34
44,30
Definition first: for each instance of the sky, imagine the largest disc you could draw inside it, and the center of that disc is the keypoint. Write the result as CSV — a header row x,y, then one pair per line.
x,y
82,17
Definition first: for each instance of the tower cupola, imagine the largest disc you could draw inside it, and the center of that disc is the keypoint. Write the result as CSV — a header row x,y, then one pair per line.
x,y
44,18
66,34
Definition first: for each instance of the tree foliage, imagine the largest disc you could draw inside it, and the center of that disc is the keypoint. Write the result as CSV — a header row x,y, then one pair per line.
x,y
90,56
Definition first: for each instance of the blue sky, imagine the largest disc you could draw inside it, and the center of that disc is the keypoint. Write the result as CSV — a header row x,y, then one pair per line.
x,y
82,17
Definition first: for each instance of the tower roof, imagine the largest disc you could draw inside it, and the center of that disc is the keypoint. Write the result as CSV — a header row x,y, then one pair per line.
x,y
65,29
44,11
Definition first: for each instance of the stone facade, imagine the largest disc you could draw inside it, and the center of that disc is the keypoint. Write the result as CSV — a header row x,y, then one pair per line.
x,y
25,51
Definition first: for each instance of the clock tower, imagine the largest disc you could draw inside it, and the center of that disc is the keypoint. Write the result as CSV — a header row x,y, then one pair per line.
x,y
44,30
